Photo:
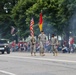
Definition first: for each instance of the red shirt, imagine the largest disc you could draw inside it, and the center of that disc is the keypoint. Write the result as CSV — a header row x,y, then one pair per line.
x,y
13,44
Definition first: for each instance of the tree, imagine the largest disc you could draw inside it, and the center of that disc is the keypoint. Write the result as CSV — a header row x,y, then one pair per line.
x,y
5,19
56,15
19,16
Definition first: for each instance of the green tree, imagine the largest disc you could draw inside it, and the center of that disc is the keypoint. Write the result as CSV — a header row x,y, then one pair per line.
x,y
19,16
5,17
56,15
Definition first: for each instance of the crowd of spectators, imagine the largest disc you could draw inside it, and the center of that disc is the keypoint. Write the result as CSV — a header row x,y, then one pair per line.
x,y
25,46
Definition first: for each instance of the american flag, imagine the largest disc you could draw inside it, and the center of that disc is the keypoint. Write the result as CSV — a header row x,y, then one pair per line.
x,y
31,27
12,29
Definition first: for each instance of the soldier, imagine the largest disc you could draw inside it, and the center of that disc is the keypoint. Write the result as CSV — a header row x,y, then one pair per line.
x,y
42,41
33,45
54,44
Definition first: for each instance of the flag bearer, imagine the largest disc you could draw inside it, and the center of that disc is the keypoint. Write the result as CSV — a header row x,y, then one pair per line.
x,y
33,45
42,41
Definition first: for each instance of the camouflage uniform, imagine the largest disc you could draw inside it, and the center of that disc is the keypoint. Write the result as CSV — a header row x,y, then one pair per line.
x,y
33,46
42,41
54,44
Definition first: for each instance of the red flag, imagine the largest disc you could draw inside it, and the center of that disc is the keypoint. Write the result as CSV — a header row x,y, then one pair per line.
x,y
31,26
40,22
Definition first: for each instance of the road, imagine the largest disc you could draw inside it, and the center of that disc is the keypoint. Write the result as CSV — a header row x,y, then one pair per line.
x,y
21,63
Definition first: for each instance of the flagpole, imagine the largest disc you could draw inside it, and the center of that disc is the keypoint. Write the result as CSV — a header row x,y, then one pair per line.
x,y
31,27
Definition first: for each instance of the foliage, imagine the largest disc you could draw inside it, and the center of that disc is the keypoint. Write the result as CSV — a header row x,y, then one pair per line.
x,y
56,15
5,19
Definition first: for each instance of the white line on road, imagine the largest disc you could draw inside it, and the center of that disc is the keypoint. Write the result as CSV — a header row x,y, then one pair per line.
x,y
45,59
5,72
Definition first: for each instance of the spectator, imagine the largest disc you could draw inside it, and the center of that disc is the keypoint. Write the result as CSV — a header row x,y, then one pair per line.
x,y
64,49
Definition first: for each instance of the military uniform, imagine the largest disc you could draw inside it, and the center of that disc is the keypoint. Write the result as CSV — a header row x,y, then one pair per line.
x,y
42,41
33,46
54,44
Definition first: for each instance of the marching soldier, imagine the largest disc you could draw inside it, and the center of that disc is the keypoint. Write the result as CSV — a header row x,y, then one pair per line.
x,y
33,45
54,44
42,41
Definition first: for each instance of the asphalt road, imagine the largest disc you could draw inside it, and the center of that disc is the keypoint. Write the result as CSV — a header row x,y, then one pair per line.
x,y
21,63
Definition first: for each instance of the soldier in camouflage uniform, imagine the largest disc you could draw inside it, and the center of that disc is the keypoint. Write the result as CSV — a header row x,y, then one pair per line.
x,y
54,44
42,41
33,45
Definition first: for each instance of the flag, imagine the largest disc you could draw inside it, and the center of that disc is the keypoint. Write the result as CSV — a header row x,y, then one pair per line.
x,y
31,27
40,22
12,30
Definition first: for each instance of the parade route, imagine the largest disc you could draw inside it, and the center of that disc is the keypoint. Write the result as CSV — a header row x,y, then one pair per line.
x,y
54,58
22,63
6,73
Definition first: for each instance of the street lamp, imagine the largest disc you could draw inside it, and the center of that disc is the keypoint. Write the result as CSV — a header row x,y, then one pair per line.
x,y
5,9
